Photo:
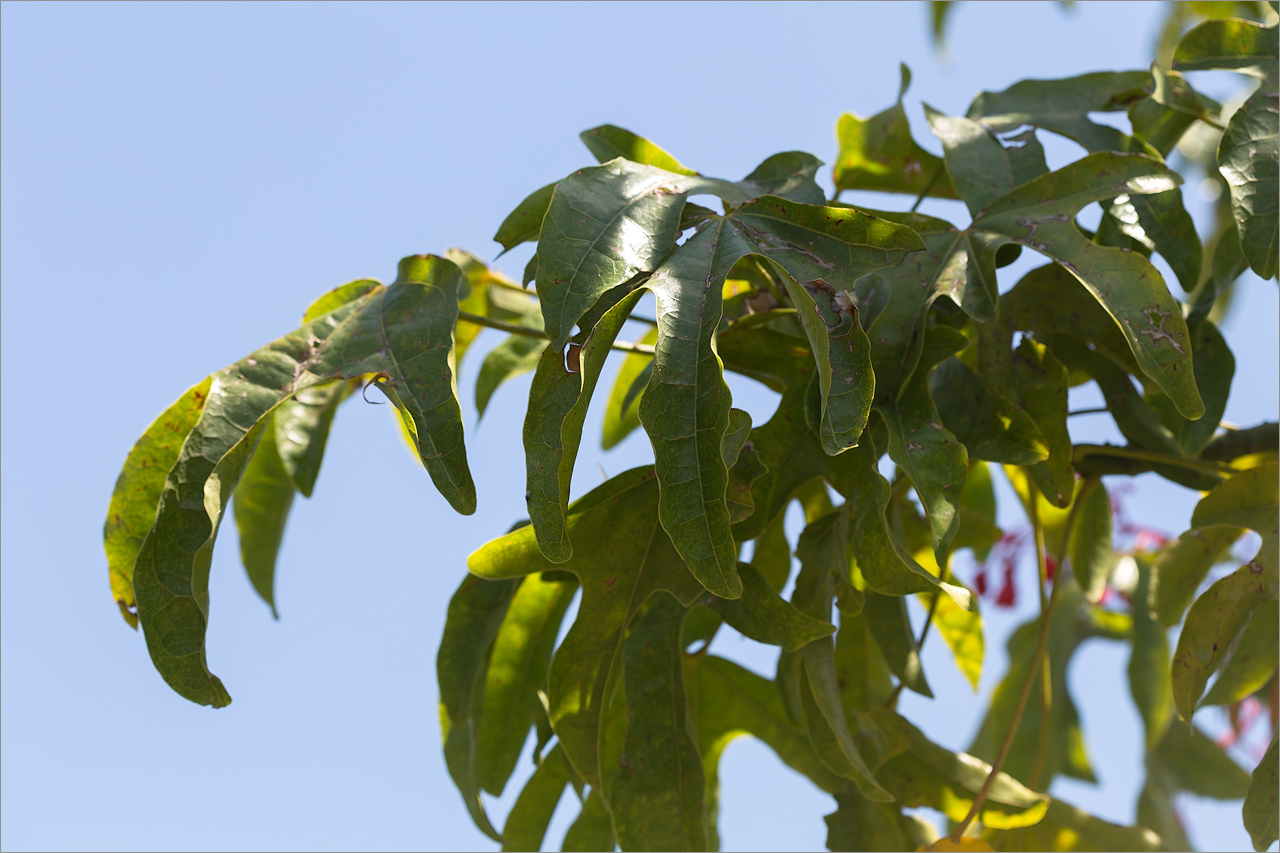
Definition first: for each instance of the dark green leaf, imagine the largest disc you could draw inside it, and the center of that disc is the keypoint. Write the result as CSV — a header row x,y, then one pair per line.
x,y
861,668
261,505
890,626
860,824
138,490
1260,802
991,427
625,556
558,401
1248,159
302,425
658,796
1041,383
621,415
765,617
936,462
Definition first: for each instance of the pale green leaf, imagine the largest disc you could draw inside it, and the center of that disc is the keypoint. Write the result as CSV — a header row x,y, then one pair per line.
x,y
608,141
1252,660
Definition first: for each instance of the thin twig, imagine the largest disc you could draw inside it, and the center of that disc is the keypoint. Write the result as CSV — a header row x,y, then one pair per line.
x,y
1082,450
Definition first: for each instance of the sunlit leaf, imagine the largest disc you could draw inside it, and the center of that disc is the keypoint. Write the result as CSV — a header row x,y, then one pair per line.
x,y
608,141
1252,661
138,489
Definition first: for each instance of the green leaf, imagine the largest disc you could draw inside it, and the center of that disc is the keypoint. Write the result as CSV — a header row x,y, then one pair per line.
x,y
621,415
515,356
1252,661
1149,662
1214,367
1188,760
772,554
485,292
1248,158
525,222
625,556
607,142
1124,283
658,796
517,671
978,164
1260,802
405,333
1250,499
592,831
339,296
962,631
527,823
262,503
302,425
139,487
929,775
763,616
828,729
990,427
1041,383
475,615
861,668
1089,548
1231,44
1182,566
1066,829
860,824
879,154
936,462
891,627
558,401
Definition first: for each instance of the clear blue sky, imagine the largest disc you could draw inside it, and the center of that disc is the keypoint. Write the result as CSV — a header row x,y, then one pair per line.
x,y
180,180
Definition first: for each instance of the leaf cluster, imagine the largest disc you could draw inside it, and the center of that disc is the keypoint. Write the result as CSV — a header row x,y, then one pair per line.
x,y
885,333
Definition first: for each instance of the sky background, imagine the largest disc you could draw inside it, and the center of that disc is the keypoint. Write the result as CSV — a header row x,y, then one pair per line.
x,y
181,180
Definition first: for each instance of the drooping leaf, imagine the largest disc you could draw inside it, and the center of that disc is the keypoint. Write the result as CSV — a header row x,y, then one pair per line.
x,y
825,719
625,557
878,153
658,795
860,824
1040,380
1260,814
516,672
930,454
1249,499
1089,548
513,357
261,505
1247,158
863,673
608,141
558,401
890,626
302,425
138,489
621,414
1149,662
475,614
527,823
